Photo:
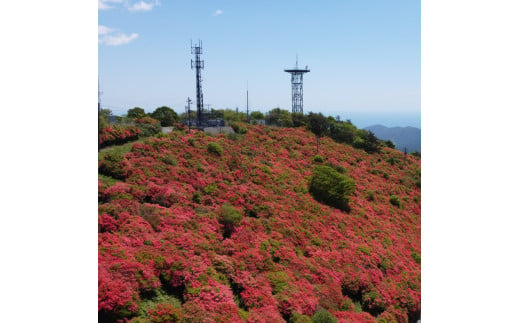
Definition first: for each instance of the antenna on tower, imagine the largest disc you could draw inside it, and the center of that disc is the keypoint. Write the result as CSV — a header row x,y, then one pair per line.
x,y
297,86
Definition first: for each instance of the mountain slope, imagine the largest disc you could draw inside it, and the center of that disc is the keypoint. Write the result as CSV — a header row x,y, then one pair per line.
x,y
223,228
402,137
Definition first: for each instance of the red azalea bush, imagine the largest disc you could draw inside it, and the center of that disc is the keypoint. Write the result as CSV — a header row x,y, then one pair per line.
x,y
117,135
164,313
237,236
148,126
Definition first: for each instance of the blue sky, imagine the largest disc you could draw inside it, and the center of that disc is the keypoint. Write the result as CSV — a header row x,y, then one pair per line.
x,y
364,56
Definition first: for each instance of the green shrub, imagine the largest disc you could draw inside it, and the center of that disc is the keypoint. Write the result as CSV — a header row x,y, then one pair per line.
x,y
330,187
323,316
215,148
279,281
113,164
229,215
337,167
394,200
299,318
197,197
210,188
416,257
169,159
372,303
238,128
365,249
232,136
148,126
318,159
385,264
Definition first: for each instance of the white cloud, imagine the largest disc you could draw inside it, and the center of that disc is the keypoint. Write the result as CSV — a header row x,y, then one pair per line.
x,y
105,4
118,39
132,6
103,30
218,12
142,6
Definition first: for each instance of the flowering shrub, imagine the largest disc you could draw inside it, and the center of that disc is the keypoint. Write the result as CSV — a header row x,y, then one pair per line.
x,y
148,126
114,165
240,237
164,313
117,135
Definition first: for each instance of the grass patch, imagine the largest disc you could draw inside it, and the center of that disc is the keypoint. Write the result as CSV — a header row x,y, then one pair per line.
x,y
121,149
107,180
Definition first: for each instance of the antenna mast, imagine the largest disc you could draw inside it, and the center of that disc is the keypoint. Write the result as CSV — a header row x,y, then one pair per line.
x,y
198,64
189,114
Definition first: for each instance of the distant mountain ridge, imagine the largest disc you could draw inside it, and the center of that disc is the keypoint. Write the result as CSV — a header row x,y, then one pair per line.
x,y
402,137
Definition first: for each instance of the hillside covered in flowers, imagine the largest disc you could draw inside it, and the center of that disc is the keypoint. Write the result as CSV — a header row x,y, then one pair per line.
x,y
199,228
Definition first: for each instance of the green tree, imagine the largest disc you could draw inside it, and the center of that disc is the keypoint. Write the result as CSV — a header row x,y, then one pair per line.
x,y
135,112
372,143
273,117
299,119
232,115
256,115
390,144
285,119
342,131
165,115
103,118
318,124
366,140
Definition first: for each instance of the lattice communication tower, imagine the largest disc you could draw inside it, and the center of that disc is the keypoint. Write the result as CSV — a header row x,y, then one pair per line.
x,y
198,64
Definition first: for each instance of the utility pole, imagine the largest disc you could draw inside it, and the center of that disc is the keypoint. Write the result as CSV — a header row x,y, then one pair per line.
x,y
99,113
99,98
189,114
247,101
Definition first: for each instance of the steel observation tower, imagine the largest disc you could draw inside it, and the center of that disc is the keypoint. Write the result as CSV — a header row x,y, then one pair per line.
x,y
297,86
